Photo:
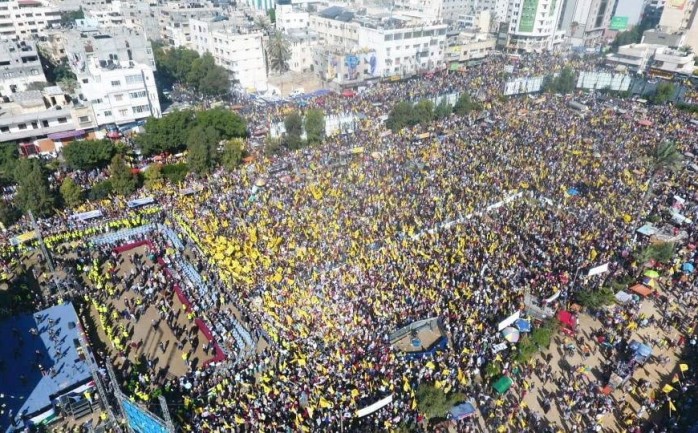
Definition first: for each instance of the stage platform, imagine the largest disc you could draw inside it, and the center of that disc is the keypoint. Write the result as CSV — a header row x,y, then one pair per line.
x,y
40,359
420,338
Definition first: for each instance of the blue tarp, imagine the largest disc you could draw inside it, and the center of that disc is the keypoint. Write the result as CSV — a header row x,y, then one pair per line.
x,y
640,350
438,346
573,191
523,325
462,411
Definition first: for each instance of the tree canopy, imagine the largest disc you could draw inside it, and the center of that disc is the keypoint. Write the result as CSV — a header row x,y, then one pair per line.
x,y
278,53
171,132
315,126
33,193
188,68
89,154
71,192
232,153
123,180
563,83
202,147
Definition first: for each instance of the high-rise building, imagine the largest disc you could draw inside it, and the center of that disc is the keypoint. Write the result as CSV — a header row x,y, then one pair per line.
x,y
533,24
585,21
681,16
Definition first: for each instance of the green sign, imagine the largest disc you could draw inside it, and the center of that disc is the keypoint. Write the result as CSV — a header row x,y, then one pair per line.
x,y
528,15
619,23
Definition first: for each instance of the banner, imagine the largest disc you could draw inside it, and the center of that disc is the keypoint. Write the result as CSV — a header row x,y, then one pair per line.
x,y
140,202
509,320
84,216
598,270
24,237
552,298
498,347
374,407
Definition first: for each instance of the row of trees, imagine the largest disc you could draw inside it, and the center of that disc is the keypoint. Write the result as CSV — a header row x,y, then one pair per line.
x,y
185,66
314,125
562,83
173,132
406,114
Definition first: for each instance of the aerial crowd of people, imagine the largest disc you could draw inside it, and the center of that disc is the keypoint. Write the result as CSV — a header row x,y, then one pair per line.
x,y
324,252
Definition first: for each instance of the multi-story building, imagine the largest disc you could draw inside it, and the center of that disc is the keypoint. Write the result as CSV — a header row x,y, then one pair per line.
x,y
627,12
428,10
533,25
673,61
114,69
22,19
19,66
302,44
34,114
402,45
174,21
585,21
635,57
261,5
452,10
111,16
289,18
239,49
466,47
681,16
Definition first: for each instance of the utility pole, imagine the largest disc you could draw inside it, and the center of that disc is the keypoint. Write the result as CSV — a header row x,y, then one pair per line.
x,y
40,238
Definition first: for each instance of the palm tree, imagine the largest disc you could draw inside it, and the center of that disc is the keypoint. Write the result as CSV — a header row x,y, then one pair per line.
x,y
263,22
665,157
278,53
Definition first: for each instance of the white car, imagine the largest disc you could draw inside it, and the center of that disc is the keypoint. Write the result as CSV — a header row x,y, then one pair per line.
x,y
296,92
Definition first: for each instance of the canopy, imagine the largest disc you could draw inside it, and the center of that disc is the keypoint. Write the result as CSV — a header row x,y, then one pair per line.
x,y
651,273
462,411
688,268
523,325
503,384
567,319
511,334
573,191
641,290
640,349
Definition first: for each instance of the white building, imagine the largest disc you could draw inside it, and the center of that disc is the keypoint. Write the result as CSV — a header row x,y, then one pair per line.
x,y
114,69
22,19
466,47
302,44
636,57
334,27
428,10
585,21
673,61
289,18
261,5
174,22
533,25
19,66
238,49
681,16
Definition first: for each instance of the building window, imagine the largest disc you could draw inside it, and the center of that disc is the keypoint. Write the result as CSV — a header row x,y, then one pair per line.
x,y
141,94
132,79
123,112
62,120
107,113
119,97
85,80
141,109
4,129
115,83
84,119
22,126
35,72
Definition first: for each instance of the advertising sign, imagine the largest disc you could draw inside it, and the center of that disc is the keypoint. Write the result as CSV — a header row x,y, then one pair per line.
x,y
619,23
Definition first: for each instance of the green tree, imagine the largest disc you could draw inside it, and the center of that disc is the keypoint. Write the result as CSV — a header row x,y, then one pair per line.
x,y
207,77
167,134
202,148
174,65
271,13
315,126
265,23
400,116
68,17
665,157
278,53
9,214
89,154
465,105
33,193
9,157
100,190
175,173
231,156
443,110
71,192
153,178
294,129
664,92
433,402
563,83
123,180
227,123
423,112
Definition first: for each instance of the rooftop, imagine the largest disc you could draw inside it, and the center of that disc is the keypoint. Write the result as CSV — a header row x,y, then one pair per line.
x,y
40,360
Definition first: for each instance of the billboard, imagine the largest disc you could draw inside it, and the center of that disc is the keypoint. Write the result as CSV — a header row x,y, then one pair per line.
x,y
604,80
529,10
523,85
619,23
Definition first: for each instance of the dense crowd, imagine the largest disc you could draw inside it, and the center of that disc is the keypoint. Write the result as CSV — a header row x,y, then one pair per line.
x,y
326,251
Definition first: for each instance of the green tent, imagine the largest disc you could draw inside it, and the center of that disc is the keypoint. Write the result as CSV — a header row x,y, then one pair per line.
x,y
503,384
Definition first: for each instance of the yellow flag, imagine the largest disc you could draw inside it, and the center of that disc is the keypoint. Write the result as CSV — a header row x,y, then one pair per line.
x,y
671,406
430,365
239,419
324,403
683,367
667,388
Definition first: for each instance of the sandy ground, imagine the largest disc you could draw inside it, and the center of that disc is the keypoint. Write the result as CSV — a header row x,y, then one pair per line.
x,y
290,81
171,358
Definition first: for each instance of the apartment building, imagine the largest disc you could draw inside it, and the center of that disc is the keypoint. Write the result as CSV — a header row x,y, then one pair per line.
x,y
23,19
19,66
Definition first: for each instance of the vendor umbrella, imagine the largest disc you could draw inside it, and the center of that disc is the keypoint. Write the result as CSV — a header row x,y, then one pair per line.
x,y
523,325
688,268
511,334
651,273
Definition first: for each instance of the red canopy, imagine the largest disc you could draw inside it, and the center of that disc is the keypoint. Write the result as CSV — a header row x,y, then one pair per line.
x,y
567,319
348,93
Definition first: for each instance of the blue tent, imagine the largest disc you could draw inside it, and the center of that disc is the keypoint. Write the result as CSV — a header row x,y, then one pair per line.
x,y
641,351
523,325
462,411
688,268
573,191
